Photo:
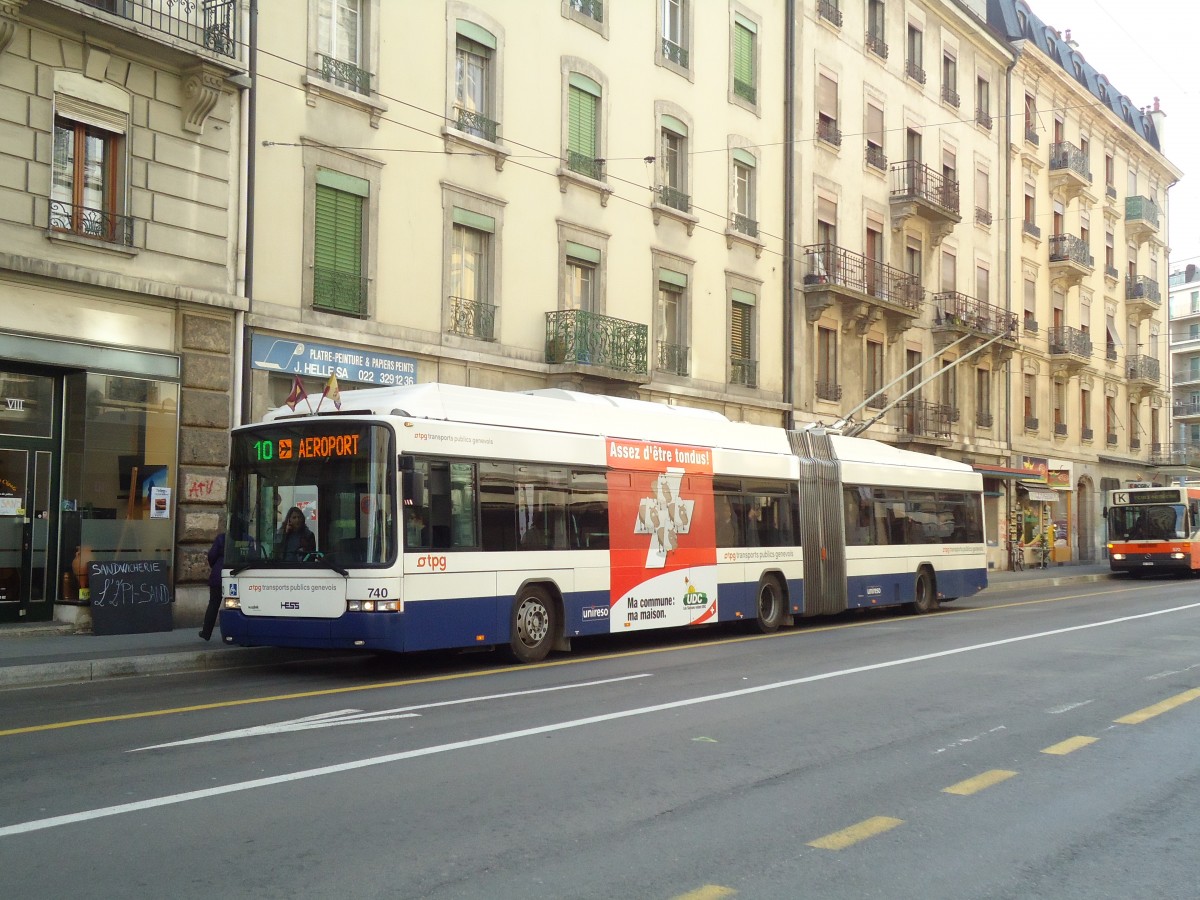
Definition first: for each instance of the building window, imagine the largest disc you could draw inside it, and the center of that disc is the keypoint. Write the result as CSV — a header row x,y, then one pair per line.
x,y
339,230
583,282
874,376
745,218
340,56
983,102
474,92
827,385
674,28
745,62
983,398
1030,400
583,127
915,63
827,110
86,193
1031,133
875,155
876,29
743,365
950,80
673,165
671,324
1085,414
472,254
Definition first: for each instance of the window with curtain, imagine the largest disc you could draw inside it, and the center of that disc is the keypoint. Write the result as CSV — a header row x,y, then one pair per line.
x,y
674,31
583,127
745,81
85,195
744,213
582,277
472,83
338,232
672,164
340,42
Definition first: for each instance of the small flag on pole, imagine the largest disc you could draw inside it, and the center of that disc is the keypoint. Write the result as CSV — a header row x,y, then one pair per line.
x,y
298,393
332,392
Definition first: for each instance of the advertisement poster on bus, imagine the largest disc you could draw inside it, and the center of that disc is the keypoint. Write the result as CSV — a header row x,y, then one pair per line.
x,y
661,535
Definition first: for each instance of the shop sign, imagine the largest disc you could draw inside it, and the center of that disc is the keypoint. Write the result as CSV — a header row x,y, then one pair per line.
x,y
1036,466
312,360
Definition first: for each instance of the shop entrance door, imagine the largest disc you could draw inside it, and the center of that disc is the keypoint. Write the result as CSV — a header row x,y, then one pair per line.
x,y
28,483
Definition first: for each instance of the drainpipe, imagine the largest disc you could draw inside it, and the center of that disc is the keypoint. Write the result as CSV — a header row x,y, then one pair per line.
x,y
244,333
789,204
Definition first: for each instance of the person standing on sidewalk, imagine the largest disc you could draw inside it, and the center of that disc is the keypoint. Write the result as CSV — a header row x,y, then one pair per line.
x,y
216,561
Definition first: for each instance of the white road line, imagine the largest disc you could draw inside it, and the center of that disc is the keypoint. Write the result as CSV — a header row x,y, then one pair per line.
x,y
189,796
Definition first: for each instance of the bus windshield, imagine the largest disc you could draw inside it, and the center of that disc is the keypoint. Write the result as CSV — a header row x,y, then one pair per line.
x,y
1158,522
312,493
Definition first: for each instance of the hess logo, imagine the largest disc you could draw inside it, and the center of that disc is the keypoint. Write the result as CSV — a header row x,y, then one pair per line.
x,y
433,563
290,604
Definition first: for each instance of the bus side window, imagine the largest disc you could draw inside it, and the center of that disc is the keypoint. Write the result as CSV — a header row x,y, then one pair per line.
x,y
588,510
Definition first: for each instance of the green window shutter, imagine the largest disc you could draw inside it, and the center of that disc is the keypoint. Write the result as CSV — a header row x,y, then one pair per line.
x,y
743,54
581,122
337,250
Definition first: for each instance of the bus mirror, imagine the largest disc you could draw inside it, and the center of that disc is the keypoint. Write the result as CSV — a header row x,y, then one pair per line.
x,y
412,487
405,463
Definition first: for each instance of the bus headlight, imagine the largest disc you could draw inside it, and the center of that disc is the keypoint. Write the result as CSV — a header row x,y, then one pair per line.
x,y
1178,555
1118,556
373,606
232,603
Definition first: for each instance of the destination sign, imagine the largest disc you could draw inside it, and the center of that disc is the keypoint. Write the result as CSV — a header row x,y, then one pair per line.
x,y
300,445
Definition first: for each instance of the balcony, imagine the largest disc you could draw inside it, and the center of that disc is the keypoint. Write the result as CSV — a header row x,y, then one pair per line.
x,y
477,125
923,419
96,224
983,119
920,192
828,390
1031,423
1144,374
587,343
208,24
913,70
1060,429
1185,374
593,9
1142,297
1135,443
470,318
672,359
875,44
984,419
1070,349
828,132
674,53
829,11
983,216
1111,273
1070,260
876,400
876,158
1031,229
344,75
950,96
1182,455
585,165
746,90
1185,412
1111,438
1070,170
956,315
1141,219
1087,434
865,289
344,293
1031,135
1030,324
743,371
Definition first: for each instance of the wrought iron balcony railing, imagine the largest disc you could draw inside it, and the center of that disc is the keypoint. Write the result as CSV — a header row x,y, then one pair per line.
x,y
876,400
672,358
593,9
1066,339
1111,438
829,264
1110,352
1141,367
746,90
345,75
472,318
984,419
1086,434
1032,230
674,198
577,337
1111,272
958,310
1031,423
339,292
1141,287
743,371
91,223
912,180
1065,155
983,216
1110,191
1031,135
1135,443
1070,248
585,165
950,96
982,117
744,225
876,44
925,418
675,53
828,390
1030,324
830,11
1142,208
828,131
477,125
1175,454
876,158
211,24
914,71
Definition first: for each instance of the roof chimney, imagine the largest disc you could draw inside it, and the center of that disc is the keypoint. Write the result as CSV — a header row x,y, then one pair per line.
x,y
1070,43
1158,118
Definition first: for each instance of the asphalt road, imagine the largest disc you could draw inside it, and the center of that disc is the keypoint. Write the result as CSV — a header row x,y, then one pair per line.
x,y
1022,744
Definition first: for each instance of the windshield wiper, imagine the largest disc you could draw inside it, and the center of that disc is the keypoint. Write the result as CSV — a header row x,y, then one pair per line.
x,y
317,556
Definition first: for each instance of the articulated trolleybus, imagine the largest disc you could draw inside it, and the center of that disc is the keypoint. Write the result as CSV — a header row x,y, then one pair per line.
x,y
1154,530
452,517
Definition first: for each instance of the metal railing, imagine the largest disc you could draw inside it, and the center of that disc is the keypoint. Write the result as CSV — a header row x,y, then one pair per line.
x,y
828,132
477,124
926,418
473,318
1070,248
1031,229
829,11
1031,423
577,337
746,90
829,264
674,198
1175,454
211,24
672,358
983,216
1031,135
828,390
743,371
85,221
912,180
954,309
876,158
1060,429
950,96
982,117
744,225
1141,208
914,71
1141,287
876,44
1111,272
672,52
1141,367
1066,156
344,74
593,9
339,292
1086,434
585,165
984,419
1069,340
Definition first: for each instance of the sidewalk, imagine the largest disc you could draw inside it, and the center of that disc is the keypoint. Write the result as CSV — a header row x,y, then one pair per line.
x,y
41,653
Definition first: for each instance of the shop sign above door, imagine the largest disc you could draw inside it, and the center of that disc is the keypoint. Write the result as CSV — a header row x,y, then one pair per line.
x,y
351,364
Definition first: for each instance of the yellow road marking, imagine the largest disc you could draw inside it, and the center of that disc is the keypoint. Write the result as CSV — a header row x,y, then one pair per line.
x,y
867,828
1070,745
979,782
708,892
1149,712
301,695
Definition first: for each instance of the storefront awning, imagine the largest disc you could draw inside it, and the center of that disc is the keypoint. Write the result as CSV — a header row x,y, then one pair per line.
x,y
1040,492
988,471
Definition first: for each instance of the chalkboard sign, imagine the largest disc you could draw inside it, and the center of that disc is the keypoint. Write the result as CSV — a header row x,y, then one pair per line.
x,y
130,597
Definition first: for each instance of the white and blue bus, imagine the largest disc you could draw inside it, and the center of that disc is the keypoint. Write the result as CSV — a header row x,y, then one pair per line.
x,y
438,516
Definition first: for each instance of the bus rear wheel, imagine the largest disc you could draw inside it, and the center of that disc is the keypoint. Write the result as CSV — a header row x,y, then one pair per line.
x,y
534,625
924,595
770,605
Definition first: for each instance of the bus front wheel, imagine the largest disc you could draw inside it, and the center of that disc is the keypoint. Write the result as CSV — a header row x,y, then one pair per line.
x,y
924,595
534,625
770,605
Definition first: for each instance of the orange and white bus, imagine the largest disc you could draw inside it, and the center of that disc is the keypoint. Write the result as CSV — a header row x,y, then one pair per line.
x,y
1154,530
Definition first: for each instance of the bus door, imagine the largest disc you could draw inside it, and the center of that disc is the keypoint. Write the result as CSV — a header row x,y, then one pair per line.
x,y
822,527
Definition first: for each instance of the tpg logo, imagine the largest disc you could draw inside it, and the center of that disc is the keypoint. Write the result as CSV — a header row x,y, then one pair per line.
x,y
436,563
